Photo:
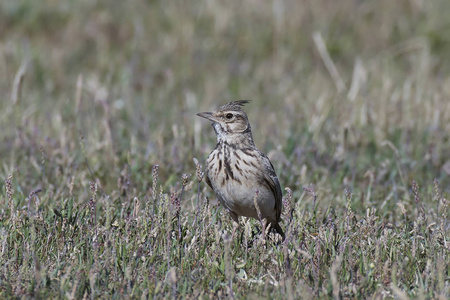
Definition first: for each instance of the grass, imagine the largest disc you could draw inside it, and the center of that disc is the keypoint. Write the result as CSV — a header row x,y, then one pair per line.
x,y
101,196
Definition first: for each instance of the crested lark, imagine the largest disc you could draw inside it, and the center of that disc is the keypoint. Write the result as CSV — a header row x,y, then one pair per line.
x,y
238,172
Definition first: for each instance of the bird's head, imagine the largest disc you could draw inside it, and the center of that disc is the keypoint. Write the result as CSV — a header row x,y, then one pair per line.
x,y
228,119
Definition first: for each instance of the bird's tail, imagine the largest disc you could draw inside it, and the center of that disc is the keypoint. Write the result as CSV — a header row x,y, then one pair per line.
x,y
278,229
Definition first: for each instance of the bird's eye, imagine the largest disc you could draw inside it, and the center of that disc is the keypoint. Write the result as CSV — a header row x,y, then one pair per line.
x,y
229,116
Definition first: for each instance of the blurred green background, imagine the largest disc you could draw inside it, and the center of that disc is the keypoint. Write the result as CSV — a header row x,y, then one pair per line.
x,y
144,68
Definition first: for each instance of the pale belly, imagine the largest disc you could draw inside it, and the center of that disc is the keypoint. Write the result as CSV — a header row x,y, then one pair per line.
x,y
240,199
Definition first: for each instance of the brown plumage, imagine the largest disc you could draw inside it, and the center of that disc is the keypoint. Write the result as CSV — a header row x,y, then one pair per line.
x,y
238,172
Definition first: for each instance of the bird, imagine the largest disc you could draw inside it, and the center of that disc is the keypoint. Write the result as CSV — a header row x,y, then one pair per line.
x,y
241,176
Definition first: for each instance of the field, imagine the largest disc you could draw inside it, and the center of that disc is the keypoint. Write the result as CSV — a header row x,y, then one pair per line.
x,y
100,192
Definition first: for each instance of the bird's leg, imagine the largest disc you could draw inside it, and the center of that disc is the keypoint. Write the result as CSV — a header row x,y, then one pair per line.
x,y
235,227
264,225
235,218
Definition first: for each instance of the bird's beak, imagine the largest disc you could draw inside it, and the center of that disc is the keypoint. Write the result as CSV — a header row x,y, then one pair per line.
x,y
208,115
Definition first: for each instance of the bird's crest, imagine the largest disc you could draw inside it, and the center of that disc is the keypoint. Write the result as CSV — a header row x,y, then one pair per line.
x,y
234,105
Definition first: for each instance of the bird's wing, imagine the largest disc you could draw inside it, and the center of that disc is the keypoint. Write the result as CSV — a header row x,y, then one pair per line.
x,y
207,179
272,180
